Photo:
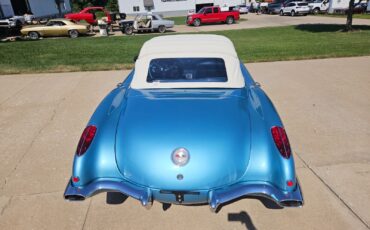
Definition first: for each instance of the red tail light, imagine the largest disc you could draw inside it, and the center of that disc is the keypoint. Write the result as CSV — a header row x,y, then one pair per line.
x,y
85,140
281,141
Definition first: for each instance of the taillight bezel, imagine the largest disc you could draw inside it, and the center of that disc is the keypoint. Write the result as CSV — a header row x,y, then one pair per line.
x,y
86,139
281,141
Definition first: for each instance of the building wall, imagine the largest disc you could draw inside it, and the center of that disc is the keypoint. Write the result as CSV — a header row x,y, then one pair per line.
x,y
338,5
171,7
45,8
6,8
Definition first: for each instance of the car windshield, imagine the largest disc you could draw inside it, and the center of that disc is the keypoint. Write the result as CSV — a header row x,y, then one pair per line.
x,y
201,11
187,70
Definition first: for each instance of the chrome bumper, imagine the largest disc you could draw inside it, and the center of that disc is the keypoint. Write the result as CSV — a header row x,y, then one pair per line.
x,y
216,197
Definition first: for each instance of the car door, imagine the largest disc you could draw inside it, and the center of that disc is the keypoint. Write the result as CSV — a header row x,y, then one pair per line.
x,y
289,7
214,16
207,15
63,29
51,29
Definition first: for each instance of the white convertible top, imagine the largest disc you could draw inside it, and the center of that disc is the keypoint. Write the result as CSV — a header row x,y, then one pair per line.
x,y
192,46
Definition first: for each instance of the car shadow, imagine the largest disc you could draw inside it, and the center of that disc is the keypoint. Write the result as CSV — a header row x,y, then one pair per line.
x,y
115,198
243,218
319,28
268,203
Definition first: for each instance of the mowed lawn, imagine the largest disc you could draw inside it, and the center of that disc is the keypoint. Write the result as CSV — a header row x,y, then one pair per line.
x,y
360,16
253,45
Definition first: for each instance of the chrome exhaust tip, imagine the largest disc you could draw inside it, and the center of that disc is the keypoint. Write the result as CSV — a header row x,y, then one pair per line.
x,y
291,203
74,197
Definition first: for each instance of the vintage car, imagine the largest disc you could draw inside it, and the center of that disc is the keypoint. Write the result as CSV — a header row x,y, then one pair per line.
x,y
55,28
145,23
188,126
88,14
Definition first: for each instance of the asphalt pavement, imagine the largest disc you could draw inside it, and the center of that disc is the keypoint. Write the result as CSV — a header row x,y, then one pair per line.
x,y
324,105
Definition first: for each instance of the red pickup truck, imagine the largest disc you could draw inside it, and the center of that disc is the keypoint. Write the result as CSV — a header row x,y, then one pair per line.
x,y
212,14
89,15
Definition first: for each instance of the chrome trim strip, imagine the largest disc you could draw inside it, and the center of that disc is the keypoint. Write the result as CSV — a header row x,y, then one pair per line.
x,y
216,197
283,199
141,194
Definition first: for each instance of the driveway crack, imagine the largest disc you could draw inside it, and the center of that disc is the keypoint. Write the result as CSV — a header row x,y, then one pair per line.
x,y
32,143
17,92
335,194
87,212
6,206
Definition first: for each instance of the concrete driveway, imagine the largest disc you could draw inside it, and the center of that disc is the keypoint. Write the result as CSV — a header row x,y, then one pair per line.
x,y
325,107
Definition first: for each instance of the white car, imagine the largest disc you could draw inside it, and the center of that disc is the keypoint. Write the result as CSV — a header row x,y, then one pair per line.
x,y
243,9
318,6
295,8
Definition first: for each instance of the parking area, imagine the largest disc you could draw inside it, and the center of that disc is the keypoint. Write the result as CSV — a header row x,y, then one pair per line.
x,y
265,20
249,21
252,20
326,113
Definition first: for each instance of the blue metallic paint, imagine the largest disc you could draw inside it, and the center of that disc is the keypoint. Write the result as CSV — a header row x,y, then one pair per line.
x,y
227,132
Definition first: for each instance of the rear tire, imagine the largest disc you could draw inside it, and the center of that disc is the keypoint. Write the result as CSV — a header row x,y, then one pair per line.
x,y
196,22
129,30
73,34
229,20
161,29
281,13
34,35
315,11
292,13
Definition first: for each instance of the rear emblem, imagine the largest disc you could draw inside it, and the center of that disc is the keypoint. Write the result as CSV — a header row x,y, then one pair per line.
x,y
180,156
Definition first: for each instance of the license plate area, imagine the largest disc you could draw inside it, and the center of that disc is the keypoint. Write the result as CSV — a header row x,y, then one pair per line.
x,y
179,195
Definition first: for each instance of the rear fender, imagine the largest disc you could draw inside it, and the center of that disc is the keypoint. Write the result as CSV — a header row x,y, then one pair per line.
x,y
99,160
266,163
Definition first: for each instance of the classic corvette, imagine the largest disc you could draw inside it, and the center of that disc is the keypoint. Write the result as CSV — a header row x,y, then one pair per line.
x,y
54,28
188,126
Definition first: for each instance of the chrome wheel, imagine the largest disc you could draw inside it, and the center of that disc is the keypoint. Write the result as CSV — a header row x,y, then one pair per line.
x,y
73,33
229,20
129,30
162,29
34,35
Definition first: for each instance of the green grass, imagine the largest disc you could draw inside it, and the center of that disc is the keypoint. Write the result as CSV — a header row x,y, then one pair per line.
x,y
253,45
178,20
360,16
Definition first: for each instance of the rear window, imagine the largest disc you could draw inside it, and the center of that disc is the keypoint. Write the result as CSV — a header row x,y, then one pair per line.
x,y
302,4
187,70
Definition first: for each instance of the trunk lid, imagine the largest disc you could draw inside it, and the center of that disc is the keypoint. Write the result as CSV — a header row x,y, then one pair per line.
x,y
213,125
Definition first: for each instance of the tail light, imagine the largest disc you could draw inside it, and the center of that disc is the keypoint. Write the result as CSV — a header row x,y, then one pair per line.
x,y
281,141
85,140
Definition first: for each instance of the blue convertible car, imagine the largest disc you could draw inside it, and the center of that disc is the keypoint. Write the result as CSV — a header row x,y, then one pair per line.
x,y
187,126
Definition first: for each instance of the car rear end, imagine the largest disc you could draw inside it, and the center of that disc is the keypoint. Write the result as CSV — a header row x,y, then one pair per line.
x,y
186,130
275,7
302,8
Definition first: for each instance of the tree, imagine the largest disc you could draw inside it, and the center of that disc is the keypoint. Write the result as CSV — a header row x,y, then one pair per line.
x,y
112,6
57,2
351,6
78,5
